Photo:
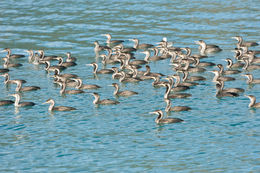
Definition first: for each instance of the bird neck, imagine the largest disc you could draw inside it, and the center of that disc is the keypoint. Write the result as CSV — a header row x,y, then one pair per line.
x,y
63,88
177,81
185,75
95,67
216,77
147,56
250,78
148,70
79,82
18,87
196,61
136,43
108,39
168,105
47,65
96,100
17,100
156,51
6,63
187,64
230,63
60,61
51,105
173,56
116,89
252,101
9,52
221,69
7,78
41,55
122,76
246,64
203,48
167,91
239,43
159,117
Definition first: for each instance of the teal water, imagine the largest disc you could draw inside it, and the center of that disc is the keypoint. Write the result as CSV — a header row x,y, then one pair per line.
x,y
219,135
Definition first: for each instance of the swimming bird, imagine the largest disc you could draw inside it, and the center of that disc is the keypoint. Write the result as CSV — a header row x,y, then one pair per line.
x,y
251,79
48,66
229,71
156,82
57,108
167,94
107,60
69,58
31,55
123,78
231,65
81,86
198,63
207,48
8,81
110,42
253,103
230,90
7,63
179,86
64,91
186,77
19,87
249,66
65,64
149,73
125,93
221,93
217,77
10,55
121,49
102,71
140,46
64,75
168,107
17,102
99,48
97,100
187,67
43,57
241,43
183,83
151,58
160,120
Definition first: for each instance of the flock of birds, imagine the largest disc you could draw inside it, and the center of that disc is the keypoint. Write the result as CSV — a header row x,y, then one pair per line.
x,y
114,52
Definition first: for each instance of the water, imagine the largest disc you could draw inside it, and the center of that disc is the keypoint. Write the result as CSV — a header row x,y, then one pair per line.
x,y
219,135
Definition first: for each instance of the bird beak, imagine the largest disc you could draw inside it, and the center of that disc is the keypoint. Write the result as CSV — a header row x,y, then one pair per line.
x,y
196,42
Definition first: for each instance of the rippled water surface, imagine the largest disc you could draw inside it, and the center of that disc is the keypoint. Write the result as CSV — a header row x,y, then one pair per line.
x,y
219,135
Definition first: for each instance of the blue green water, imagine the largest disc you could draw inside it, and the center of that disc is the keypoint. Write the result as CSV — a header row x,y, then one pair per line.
x,y
218,135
